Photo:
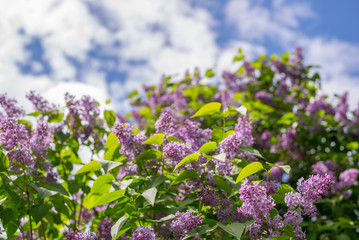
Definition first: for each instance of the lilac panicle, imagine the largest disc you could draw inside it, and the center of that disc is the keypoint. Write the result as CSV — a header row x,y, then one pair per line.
x,y
38,102
256,202
175,152
143,233
184,222
104,228
79,235
9,105
130,143
41,139
14,135
348,177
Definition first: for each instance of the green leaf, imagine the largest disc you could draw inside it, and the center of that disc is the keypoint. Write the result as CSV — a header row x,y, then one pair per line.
x,y
173,139
150,195
4,162
38,212
208,147
92,166
185,175
209,73
133,93
202,229
284,188
155,139
168,217
112,141
279,238
353,146
34,114
248,170
56,117
109,165
43,192
190,158
278,199
117,226
58,188
107,198
149,155
252,151
220,157
108,101
208,109
236,229
110,118
242,110
285,168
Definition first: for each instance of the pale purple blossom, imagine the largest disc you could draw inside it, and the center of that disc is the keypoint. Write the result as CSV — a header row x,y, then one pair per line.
x,y
9,105
184,222
143,233
104,228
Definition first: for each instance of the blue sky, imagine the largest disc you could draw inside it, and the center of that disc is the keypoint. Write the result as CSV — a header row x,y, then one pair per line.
x,y
108,48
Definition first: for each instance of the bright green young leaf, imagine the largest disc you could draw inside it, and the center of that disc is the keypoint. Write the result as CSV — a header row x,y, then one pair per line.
x,y
285,168
284,188
185,175
248,170
190,158
209,73
4,162
208,109
220,157
353,146
155,139
174,139
115,229
56,117
133,93
106,198
252,151
150,195
208,147
38,212
109,165
34,114
110,118
89,167
112,141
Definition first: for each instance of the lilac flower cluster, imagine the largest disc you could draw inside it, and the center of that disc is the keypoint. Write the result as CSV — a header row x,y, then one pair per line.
x,y
286,140
276,173
342,109
14,135
175,152
9,105
184,222
346,179
41,139
230,146
264,97
39,103
79,235
328,167
318,106
104,228
143,233
83,117
256,202
130,143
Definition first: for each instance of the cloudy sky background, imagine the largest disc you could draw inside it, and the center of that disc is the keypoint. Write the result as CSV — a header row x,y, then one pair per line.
x,y
108,48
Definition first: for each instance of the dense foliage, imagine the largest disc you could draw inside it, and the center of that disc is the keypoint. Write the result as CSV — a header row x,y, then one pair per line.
x,y
253,154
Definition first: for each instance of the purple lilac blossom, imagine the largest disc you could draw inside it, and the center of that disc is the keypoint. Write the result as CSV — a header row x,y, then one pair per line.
x,y
184,222
175,152
349,177
130,143
286,140
264,97
230,146
143,233
164,121
14,135
38,102
104,228
318,106
41,139
342,109
256,202
79,235
9,105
